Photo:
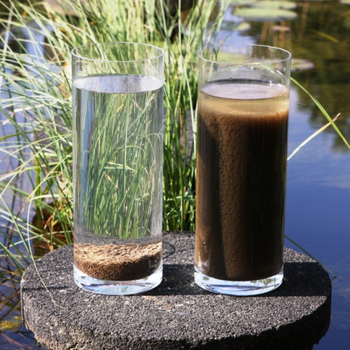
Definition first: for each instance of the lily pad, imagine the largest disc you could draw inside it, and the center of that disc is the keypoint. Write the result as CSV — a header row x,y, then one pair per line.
x,y
299,64
232,26
265,14
237,58
243,26
242,2
279,4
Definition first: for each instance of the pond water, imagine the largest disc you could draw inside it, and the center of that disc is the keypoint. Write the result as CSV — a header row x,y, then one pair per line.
x,y
318,187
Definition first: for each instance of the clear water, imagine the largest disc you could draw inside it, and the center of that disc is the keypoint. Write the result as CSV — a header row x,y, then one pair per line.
x,y
118,162
118,148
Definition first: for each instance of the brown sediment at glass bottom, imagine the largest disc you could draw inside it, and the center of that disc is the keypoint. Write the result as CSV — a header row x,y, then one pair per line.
x,y
118,262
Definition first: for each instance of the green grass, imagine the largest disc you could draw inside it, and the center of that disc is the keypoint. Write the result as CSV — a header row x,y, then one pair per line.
x,y
36,108
121,181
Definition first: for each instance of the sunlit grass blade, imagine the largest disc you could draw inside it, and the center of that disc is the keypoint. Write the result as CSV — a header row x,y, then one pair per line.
x,y
312,136
324,112
311,256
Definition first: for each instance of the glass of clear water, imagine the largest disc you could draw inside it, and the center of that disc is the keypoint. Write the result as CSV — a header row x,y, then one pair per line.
x,y
118,165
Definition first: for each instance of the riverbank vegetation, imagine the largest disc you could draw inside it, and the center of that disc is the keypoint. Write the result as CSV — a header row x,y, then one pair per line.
x,y
36,110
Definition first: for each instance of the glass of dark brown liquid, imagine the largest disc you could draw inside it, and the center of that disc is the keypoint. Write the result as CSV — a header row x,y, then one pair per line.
x,y
243,106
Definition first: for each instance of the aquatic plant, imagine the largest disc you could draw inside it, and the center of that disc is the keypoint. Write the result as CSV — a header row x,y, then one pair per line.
x,y
35,79
36,149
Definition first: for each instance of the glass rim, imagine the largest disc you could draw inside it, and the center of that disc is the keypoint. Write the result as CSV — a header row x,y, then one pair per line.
x,y
126,43
240,46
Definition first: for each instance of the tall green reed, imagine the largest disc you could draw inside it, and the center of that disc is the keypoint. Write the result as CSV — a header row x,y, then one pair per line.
x,y
37,114
36,108
121,181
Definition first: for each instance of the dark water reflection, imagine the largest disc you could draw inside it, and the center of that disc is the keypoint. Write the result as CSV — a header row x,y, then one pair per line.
x,y
318,187
321,35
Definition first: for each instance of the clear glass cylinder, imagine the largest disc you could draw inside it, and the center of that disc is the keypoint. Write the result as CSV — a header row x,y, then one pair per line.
x,y
118,165
243,107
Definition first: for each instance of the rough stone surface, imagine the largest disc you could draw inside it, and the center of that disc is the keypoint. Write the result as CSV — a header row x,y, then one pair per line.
x,y
177,314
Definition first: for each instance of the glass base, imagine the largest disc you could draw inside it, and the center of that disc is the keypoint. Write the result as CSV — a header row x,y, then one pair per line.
x,y
96,285
240,288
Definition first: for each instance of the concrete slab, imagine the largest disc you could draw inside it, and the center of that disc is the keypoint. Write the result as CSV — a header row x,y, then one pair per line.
x,y
177,314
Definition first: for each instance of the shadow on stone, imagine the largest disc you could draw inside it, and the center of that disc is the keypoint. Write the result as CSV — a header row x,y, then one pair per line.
x,y
177,314
178,280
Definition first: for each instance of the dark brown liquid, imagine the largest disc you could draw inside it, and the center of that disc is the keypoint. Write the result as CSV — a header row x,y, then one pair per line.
x,y
241,179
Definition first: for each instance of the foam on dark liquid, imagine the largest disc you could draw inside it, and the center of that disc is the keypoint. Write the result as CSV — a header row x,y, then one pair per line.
x,y
241,172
